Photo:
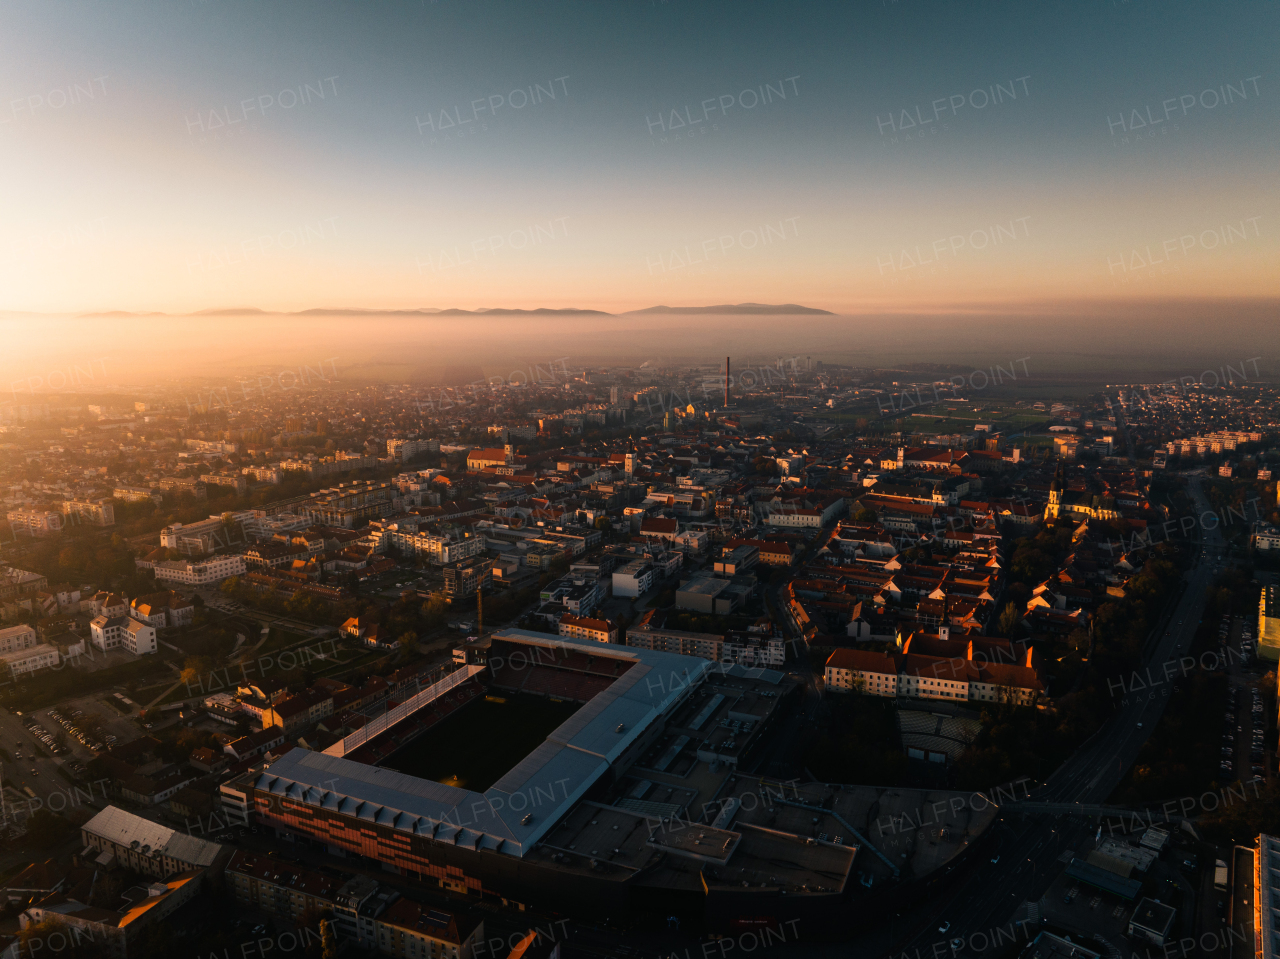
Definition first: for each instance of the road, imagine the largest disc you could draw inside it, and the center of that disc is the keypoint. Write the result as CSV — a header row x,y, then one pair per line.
x,y
40,774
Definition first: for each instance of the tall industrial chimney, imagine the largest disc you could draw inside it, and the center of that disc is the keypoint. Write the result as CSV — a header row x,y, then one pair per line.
x,y
726,385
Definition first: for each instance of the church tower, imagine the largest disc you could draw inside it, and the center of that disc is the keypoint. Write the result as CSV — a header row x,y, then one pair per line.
x,y
1055,494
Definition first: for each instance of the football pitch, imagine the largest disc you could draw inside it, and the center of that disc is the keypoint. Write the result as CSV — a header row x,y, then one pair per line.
x,y
476,745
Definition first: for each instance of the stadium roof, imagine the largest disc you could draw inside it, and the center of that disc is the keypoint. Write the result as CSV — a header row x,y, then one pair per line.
x,y
541,788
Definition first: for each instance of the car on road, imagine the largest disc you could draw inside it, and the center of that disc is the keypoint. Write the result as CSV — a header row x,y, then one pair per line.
x,y
957,944
945,927
994,860
1139,725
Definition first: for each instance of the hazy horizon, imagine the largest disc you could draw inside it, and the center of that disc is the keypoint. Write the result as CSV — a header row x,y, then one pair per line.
x,y
1095,341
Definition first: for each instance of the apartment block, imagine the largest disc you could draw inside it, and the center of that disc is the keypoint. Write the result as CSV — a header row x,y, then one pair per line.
x,y
35,522
17,637
234,481
411,930
702,645
123,632
462,580
98,512
200,573
29,659
581,627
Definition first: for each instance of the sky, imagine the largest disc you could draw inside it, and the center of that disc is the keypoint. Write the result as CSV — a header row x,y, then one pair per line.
x,y
880,157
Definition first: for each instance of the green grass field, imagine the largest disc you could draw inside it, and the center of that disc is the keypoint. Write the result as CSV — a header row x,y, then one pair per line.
x,y
474,747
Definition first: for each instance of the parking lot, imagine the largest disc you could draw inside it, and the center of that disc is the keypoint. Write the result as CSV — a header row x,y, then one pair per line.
x,y
1245,752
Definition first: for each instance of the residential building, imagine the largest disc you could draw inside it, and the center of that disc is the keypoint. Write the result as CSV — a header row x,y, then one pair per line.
x,y
16,637
97,512
707,646
598,630
411,930
254,744
137,494
182,484
35,522
166,608
107,604
635,578
234,481
439,549
263,474
123,632
205,572
298,712
754,649
405,450
349,505
144,846
960,677
1269,624
115,930
20,582
28,660
279,887
463,579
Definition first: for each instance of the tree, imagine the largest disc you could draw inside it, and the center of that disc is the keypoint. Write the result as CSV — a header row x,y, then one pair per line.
x,y
1010,618
1079,640
45,829
328,941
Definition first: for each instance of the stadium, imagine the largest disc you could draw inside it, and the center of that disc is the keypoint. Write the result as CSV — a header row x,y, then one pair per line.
x,y
633,803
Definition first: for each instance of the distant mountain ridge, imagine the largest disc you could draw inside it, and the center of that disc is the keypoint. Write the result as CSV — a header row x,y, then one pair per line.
x,y
765,309
759,309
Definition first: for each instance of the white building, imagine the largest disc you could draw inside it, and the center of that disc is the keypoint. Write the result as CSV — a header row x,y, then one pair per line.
x,y
123,632
204,572
634,579
597,630
17,637
795,518
439,550
35,522
405,450
1266,536
30,659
